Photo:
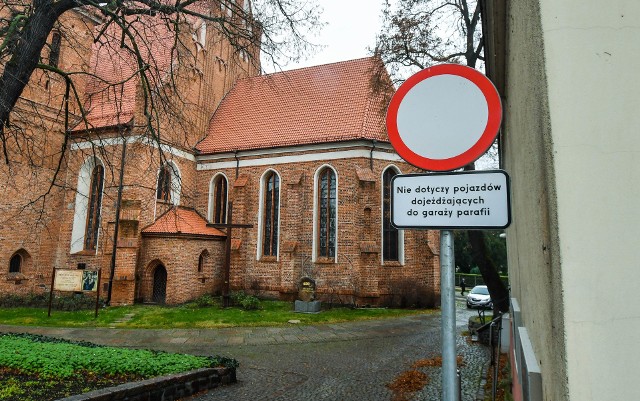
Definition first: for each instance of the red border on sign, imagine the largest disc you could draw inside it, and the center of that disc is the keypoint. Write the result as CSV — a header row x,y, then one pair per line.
x,y
494,119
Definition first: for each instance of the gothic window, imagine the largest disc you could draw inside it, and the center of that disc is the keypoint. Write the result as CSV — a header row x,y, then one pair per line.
x,y
202,35
218,200
54,53
88,205
246,23
326,213
15,264
244,55
390,237
168,189
164,184
202,260
270,215
93,211
227,5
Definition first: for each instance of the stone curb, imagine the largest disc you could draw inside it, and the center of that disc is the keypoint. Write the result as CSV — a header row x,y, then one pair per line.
x,y
480,395
166,388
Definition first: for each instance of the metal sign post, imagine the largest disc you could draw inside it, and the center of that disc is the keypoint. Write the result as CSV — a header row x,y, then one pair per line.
x,y
442,119
448,308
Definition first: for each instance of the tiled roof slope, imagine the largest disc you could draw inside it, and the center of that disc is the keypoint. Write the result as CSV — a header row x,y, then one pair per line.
x,y
180,220
326,103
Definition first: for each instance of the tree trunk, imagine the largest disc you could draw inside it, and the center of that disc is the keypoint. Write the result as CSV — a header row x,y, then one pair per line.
x,y
29,42
497,289
488,270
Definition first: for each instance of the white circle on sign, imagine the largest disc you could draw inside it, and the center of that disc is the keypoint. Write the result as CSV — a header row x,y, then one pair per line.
x,y
432,108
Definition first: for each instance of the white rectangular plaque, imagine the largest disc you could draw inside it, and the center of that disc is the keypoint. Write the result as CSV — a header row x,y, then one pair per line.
x,y
461,200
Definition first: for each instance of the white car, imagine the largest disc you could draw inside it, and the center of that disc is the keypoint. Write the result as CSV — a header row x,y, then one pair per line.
x,y
479,297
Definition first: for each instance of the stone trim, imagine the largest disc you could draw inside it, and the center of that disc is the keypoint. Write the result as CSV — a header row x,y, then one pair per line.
x,y
241,181
167,388
365,175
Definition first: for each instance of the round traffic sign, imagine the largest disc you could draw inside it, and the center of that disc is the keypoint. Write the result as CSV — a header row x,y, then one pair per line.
x,y
444,117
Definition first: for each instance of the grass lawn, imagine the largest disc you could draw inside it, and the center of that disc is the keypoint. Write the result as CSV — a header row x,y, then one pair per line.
x,y
271,313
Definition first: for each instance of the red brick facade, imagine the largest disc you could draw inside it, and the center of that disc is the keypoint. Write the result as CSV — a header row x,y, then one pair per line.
x,y
46,232
358,273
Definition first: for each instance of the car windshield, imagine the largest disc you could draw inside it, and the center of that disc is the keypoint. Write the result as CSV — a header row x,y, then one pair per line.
x,y
480,290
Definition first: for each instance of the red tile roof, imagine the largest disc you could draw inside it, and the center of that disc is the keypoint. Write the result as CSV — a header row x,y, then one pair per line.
x,y
180,220
326,103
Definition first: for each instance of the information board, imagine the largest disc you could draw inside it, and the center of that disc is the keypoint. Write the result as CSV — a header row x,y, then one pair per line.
x,y
75,280
68,280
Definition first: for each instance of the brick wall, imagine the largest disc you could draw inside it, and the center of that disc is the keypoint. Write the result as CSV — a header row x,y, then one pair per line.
x,y
37,217
180,256
41,227
359,274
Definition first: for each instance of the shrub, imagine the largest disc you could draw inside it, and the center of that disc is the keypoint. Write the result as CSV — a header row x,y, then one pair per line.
x,y
247,302
205,301
67,302
407,293
51,357
250,303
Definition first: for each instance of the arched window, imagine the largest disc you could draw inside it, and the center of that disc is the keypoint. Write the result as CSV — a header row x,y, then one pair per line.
x,y
326,213
168,189
390,237
15,264
88,205
164,184
270,214
94,207
54,53
202,260
218,200
246,8
228,6
201,34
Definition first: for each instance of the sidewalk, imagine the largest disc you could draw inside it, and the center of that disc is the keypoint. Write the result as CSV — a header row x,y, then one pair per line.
x,y
184,340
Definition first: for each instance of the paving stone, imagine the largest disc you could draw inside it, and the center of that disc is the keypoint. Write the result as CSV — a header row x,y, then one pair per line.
x,y
343,361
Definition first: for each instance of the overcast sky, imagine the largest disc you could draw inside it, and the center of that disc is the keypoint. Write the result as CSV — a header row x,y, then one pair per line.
x,y
351,27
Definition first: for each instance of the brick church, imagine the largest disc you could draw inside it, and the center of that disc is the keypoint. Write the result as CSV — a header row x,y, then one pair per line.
x,y
300,159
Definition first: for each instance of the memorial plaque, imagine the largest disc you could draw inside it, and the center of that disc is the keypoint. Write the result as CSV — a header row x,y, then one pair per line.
x,y
306,302
307,290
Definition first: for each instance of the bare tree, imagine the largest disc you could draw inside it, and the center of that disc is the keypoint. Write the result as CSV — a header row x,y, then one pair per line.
x,y
115,51
29,30
420,33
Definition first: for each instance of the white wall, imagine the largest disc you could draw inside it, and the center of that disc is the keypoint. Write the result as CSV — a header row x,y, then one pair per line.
x,y
592,51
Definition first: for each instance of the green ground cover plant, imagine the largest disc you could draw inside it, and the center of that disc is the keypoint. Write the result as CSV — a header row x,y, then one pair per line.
x,y
42,368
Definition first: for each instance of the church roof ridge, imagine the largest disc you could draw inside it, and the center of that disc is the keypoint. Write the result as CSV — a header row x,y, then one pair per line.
x,y
314,66
320,104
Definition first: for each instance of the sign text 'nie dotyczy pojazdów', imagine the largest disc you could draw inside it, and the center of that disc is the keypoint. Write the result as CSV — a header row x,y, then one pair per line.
x,y
475,200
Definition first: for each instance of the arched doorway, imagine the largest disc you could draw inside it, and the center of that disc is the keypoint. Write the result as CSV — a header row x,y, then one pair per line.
x,y
160,285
